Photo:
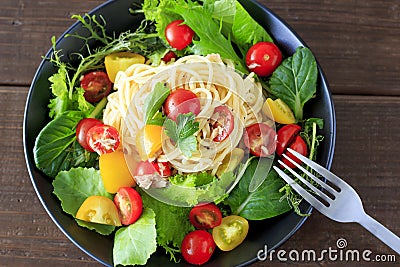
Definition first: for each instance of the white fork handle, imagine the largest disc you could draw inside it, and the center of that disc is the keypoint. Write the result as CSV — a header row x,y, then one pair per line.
x,y
381,232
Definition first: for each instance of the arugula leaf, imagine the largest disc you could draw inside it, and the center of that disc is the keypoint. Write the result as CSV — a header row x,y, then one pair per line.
x,y
74,186
294,81
265,202
56,147
182,132
154,102
172,223
134,244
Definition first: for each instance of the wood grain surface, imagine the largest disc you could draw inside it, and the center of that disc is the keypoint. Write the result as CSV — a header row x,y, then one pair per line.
x,y
356,42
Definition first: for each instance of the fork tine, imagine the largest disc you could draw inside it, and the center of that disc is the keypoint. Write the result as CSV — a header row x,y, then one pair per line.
x,y
307,183
318,168
306,195
312,176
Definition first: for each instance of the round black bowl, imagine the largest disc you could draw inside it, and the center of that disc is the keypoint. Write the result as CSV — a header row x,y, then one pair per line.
x,y
270,233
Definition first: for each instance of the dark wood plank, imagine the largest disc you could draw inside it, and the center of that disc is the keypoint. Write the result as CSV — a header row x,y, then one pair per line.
x,y
350,39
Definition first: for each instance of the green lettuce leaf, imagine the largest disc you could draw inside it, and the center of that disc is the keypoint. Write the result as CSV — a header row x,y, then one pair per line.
x,y
295,80
134,244
74,186
265,202
172,223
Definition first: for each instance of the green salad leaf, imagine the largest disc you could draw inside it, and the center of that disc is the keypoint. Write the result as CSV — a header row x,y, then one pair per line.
x,y
182,132
172,223
74,186
154,102
295,80
265,202
134,244
56,147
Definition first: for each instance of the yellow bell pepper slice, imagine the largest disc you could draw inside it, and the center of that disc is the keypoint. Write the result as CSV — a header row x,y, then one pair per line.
x,y
149,141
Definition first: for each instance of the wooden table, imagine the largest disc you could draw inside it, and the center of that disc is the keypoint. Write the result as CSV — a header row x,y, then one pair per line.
x,y
357,44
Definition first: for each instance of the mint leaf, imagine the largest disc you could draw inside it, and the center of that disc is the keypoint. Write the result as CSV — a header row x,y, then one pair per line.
x,y
182,132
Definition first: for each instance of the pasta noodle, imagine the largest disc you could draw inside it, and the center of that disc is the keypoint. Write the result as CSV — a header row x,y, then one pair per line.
x,y
214,82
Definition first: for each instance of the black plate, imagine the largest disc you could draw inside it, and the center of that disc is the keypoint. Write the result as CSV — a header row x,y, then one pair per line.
x,y
271,233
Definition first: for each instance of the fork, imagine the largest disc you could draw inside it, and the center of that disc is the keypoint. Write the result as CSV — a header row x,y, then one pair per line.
x,y
341,204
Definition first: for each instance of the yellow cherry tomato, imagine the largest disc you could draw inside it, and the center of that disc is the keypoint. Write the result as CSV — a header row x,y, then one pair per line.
x,y
99,209
149,141
114,171
120,61
279,111
231,232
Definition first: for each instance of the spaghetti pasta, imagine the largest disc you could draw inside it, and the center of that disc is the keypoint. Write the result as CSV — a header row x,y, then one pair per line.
x,y
213,81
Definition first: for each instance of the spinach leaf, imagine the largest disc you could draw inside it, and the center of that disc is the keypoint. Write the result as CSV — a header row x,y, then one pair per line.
x,y
134,244
74,186
294,81
265,202
56,147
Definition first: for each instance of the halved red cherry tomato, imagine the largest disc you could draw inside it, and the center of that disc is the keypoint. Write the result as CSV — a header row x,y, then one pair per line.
x,y
181,101
129,204
205,216
286,134
147,167
81,131
231,232
103,138
223,120
298,145
263,58
97,85
178,34
169,56
197,247
260,139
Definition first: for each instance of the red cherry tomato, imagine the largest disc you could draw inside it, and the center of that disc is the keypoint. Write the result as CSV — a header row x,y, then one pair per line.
x,y
260,139
179,35
205,216
103,139
96,85
197,247
169,56
147,167
81,131
286,134
263,58
181,101
222,119
129,204
298,145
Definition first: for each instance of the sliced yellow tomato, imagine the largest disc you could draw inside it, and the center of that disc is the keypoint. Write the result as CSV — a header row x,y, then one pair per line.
x,y
114,171
279,111
231,232
120,61
231,161
99,209
149,141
